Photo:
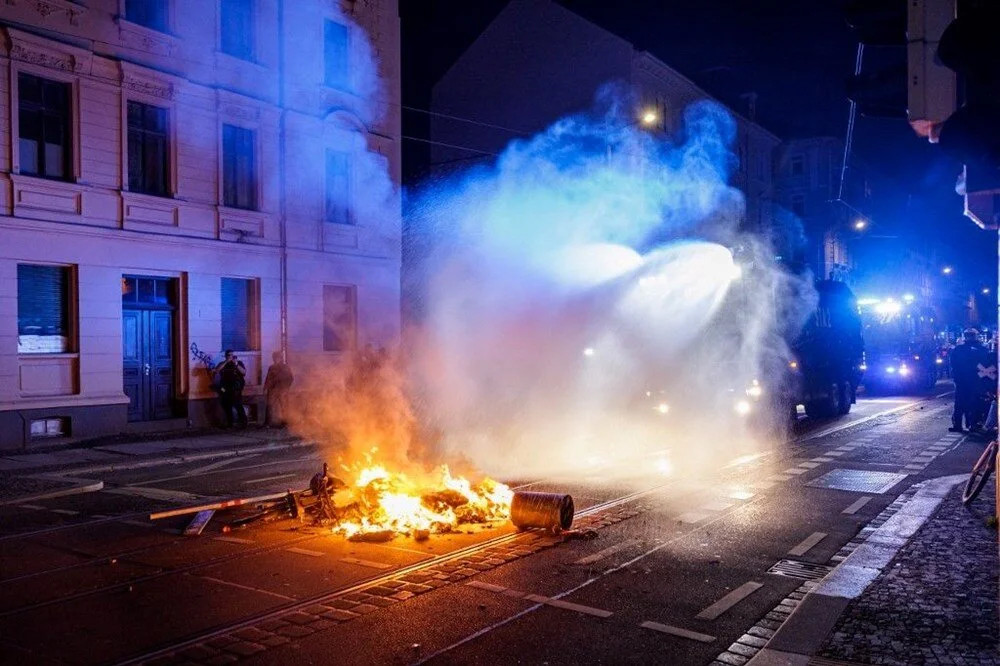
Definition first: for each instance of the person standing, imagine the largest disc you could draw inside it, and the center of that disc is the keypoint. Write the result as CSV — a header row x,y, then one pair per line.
x,y
966,361
232,378
279,379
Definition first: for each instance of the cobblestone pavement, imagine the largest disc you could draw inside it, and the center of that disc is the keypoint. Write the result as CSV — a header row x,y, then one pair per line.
x,y
936,602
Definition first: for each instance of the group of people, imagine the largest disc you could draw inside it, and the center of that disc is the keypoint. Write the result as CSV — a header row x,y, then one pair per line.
x,y
974,371
230,379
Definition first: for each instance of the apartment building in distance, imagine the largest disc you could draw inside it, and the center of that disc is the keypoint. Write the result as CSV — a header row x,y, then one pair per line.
x,y
181,175
537,61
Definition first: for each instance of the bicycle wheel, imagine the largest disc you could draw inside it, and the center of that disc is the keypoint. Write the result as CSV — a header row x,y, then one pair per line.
x,y
980,473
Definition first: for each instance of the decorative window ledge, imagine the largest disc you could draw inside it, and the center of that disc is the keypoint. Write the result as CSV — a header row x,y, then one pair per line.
x,y
141,38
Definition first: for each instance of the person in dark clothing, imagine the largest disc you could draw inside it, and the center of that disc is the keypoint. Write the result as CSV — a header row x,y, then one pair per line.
x,y
232,378
279,379
968,360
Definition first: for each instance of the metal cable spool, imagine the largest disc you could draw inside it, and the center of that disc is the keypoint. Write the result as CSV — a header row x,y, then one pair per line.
x,y
544,510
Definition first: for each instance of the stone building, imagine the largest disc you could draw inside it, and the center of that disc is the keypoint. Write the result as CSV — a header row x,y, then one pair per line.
x,y
188,174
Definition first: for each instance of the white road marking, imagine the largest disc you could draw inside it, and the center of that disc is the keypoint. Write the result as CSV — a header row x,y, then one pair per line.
x,y
303,551
856,506
692,517
229,539
835,454
217,464
716,505
741,494
728,601
822,459
677,631
33,507
611,550
247,587
567,605
807,543
809,465
155,494
851,424
268,478
795,470
366,563
66,512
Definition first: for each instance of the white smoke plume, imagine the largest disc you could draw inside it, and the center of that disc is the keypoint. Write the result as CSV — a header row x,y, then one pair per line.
x,y
582,303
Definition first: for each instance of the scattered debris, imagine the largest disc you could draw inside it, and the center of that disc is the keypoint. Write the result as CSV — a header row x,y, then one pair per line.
x,y
199,522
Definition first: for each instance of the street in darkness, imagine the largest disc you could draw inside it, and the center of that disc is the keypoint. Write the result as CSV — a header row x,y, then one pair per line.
x,y
499,332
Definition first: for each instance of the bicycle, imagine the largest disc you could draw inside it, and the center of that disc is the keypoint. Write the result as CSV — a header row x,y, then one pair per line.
x,y
981,472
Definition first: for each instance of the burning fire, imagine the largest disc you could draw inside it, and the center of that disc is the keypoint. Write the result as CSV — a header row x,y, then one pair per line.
x,y
392,503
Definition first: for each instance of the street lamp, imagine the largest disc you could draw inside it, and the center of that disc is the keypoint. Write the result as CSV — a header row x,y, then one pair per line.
x,y
649,117
860,224
986,290
947,270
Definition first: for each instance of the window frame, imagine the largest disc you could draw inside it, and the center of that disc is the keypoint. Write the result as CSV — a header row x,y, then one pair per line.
x,y
168,148
253,313
352,343
797,165
70,124
343,83
167,16
252,36
71,309
255,184
328,217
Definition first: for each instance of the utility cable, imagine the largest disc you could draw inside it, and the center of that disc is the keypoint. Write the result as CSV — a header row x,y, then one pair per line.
x,y
852,114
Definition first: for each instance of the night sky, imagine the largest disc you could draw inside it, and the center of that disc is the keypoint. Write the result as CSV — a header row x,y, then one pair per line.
x,y
795,56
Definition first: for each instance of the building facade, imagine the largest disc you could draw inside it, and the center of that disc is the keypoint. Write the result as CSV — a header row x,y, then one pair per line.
x,y
179,177
821,222
537,62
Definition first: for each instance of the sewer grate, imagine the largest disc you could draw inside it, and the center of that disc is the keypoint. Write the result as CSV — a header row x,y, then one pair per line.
x,y
856,480
801,570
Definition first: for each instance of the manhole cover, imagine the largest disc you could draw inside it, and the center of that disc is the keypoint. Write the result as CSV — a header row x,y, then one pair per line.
x,y
857,480
803,570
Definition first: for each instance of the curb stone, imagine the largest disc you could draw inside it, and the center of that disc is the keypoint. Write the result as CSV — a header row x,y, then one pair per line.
x,y
803,634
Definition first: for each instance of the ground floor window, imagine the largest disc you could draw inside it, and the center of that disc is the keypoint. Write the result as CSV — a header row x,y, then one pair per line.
x,y
43,309
339,317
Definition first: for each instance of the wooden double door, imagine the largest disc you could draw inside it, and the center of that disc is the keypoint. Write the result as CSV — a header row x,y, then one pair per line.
x,y
148,348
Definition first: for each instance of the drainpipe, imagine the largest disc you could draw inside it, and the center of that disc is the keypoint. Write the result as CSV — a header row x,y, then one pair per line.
x,y
282,222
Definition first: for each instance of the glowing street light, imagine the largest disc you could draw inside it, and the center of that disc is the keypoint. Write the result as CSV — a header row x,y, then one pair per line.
x,y
649,116
909,298
947,270
860,224
986,290
589,351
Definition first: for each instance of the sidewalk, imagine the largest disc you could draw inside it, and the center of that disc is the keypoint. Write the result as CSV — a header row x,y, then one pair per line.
x,y
936,602
923,589
28,476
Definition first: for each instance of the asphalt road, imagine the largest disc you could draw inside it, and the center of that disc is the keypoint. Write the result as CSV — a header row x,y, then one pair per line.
x,y
676,573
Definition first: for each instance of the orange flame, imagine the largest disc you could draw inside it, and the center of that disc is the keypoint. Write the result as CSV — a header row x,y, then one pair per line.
x,y
392,502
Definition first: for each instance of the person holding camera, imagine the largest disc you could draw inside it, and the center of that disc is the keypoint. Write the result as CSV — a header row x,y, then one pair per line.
x,y
232,378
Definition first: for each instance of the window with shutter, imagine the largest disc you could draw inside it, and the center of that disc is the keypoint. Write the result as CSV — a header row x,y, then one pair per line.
x,y
239,310
339,318
43,309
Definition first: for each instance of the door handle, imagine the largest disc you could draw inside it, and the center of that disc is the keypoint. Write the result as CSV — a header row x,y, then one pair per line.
x,y
145,369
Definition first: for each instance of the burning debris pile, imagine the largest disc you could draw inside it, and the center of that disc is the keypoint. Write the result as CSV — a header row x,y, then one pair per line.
x,y
381,504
